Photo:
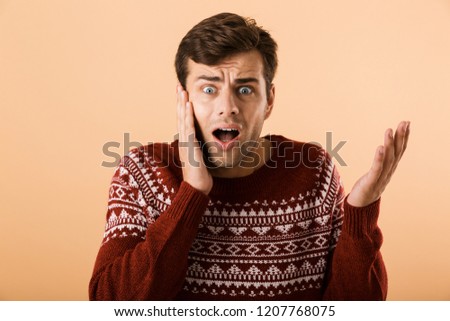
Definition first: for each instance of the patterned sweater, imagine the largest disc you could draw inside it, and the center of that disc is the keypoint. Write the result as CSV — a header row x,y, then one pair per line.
x,y
277,234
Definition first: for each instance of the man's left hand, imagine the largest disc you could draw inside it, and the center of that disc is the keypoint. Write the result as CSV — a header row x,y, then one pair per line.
x,y
369,187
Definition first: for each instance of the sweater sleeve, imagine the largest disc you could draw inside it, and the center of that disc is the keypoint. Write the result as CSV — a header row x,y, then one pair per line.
x,y
143,258
356,270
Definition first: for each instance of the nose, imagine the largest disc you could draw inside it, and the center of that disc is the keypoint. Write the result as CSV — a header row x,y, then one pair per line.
x,y
226,104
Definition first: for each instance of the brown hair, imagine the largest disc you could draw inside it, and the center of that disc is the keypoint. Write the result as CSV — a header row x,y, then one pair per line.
x,y
222,35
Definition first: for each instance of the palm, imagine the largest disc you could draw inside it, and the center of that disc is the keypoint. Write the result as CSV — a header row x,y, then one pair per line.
x,y
194,169
370,186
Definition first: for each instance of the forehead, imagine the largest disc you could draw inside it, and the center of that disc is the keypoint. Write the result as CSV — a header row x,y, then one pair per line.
x,y
245,64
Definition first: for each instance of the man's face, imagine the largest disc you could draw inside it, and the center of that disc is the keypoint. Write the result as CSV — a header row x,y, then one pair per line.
x,y
230,105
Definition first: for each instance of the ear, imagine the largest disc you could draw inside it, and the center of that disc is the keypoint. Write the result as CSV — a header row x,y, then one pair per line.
x,y
270,101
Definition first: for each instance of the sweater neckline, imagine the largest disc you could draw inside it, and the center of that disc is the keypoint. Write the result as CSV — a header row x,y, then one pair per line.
x,y
248,183
245,184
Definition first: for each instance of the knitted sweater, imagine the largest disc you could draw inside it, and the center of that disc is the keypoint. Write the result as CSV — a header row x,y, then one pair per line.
x,y
277,234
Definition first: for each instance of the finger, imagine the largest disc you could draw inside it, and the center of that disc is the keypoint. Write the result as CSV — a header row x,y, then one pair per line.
x,y
389,156
182,116
407,131
377,166
190,127
190,136
178,108
178,113
401,141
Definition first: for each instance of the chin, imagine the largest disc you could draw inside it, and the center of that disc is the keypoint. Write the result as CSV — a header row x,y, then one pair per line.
x,y
222,161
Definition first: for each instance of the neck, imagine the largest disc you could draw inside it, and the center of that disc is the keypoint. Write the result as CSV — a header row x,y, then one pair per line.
x,y
245,168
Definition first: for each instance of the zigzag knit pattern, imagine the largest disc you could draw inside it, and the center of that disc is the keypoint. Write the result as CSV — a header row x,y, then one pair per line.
x,y
267,236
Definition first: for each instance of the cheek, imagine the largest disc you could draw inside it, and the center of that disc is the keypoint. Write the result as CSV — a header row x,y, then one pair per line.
x,y
257,116
255,123
200,112
201,115
199,102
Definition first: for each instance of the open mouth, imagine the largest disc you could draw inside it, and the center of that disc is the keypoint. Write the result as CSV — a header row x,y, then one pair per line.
x,y
226,134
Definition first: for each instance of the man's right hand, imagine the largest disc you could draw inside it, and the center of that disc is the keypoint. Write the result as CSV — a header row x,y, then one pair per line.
x,y
194,169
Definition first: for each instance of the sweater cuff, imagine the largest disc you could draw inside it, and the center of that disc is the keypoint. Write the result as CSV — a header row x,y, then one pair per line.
x,y
189,205
360,221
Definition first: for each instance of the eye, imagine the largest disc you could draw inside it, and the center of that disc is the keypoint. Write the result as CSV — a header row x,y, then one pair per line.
x,y
245,90
209,90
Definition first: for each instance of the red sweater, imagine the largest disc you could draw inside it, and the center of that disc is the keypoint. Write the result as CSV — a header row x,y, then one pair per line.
x,y
279,233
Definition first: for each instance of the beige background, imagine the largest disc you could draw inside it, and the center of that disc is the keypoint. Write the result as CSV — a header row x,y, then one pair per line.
x,y
75,75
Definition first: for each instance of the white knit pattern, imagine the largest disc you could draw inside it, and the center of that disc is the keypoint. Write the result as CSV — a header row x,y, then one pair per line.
x,y
263,247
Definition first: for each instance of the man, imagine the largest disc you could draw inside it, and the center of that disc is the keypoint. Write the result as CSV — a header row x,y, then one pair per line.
x,y
224,214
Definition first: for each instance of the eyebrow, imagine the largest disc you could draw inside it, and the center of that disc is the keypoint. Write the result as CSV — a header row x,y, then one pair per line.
x,y
218,79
